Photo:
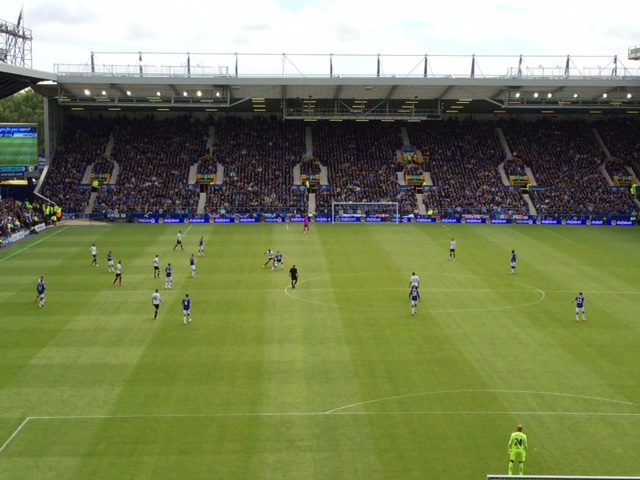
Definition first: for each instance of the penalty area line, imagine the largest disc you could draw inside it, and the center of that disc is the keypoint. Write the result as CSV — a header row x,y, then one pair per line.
x,y
14,434
331,413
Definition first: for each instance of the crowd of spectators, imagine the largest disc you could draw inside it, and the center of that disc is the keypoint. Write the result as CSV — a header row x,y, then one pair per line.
x,y
207,165
566,158
82,142
16,215
514,167
103,166
310,166
464,159
412,169
360,158
258,155
154,158
622,139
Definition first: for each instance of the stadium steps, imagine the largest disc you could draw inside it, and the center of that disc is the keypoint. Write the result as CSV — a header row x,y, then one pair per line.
x,y
92,201
211,139
405,137
193,171
427,178
401,180
532,179
603,146
532,208
219,174
504,143
296,175
324,175
503,174
87,174
312,203
606,175
110,143
202,202
308,141
114,173
422,210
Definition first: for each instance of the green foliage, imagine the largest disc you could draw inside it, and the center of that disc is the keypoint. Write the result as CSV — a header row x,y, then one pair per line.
x,y
333,380
24,107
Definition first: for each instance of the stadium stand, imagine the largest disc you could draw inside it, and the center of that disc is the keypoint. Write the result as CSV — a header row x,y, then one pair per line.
x,y
566,159
463,162
577,168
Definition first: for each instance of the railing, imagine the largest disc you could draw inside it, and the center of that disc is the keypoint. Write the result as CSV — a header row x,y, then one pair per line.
x,y
258,65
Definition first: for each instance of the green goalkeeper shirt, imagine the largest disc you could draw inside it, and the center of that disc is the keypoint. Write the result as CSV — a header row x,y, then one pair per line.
x,y
518,441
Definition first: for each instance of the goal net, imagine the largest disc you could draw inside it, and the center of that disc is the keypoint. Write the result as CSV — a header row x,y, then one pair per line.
x,y
373,212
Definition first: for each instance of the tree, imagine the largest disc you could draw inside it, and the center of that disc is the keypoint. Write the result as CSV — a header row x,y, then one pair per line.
x,y
26,106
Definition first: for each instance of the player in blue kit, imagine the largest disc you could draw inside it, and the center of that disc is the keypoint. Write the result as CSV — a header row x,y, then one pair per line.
x,y
513,261
110,262
168,281
579,301
278,261
414,295
192,263
40,289
186,309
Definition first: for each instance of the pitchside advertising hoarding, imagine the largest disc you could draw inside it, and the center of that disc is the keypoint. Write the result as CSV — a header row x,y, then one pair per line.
x,y
18,149
617,221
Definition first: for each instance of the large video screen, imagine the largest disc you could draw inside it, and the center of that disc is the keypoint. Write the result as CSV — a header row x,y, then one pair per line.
x,y
18,149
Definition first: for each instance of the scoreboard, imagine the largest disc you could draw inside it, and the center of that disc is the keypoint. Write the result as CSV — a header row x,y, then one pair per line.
x,y
18,149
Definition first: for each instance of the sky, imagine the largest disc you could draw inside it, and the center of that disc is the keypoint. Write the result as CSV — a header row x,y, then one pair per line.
x,y
65,32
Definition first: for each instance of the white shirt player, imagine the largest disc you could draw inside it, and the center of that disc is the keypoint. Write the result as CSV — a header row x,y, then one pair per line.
x,y
156,262
155,298
452,245
94,250
119,269
414,280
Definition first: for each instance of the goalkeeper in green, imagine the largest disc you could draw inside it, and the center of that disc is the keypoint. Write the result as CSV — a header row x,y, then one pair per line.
x,y
517,450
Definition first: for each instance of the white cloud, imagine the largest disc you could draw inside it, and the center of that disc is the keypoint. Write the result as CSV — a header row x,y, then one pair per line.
x,y
67,31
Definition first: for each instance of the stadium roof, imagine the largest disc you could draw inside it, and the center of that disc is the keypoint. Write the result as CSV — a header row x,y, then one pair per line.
x,y
525,85
14,79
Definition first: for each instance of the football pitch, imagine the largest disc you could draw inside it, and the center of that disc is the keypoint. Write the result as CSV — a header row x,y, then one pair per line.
x,y
18,151
335,379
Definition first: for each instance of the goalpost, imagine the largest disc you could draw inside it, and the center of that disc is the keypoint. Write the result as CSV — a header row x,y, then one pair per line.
x,y
374,212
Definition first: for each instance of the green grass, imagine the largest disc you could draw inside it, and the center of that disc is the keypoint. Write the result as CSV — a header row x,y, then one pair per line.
x,y
18,151
332,380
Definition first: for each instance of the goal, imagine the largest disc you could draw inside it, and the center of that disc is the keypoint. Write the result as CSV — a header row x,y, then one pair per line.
x,y
372,212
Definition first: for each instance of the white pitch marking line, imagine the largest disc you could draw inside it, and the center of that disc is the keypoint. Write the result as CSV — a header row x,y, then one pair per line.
x,y
554,233
32,244
542,297
519,392
340,410
14,434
